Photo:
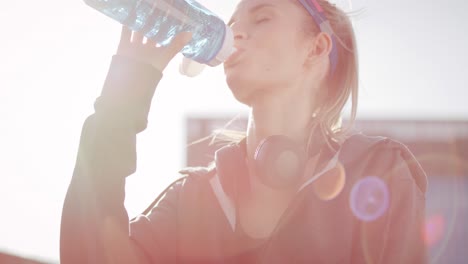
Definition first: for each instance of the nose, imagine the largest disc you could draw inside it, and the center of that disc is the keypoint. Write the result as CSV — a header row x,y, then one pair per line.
x,y
240,35
239,32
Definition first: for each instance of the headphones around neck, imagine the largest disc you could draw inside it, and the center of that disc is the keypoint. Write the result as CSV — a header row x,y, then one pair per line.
x,y
279,163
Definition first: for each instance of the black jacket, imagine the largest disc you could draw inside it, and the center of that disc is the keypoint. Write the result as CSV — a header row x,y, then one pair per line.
x,y
194,220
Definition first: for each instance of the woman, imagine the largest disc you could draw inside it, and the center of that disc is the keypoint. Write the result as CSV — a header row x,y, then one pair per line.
x,y
290,191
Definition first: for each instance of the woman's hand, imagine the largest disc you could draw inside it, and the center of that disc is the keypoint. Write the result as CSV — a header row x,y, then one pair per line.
x,y
136,46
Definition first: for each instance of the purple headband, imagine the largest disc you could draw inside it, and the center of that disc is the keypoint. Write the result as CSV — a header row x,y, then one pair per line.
x,y
317,13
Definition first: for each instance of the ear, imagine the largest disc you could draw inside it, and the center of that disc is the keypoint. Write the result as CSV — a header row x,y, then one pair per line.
x,y
319,48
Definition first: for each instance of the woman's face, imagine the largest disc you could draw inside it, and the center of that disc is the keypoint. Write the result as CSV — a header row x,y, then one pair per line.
x,y
271,47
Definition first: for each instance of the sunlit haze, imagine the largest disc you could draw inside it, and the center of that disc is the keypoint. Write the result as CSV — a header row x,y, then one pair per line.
x,y
55,56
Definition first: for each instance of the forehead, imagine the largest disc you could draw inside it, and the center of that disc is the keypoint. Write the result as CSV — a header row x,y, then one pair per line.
x,y
246,5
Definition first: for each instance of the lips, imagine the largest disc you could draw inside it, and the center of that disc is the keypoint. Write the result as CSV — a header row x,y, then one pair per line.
x,y
234,58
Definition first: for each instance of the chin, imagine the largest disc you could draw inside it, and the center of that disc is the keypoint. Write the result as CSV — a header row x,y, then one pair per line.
x,y
241,88
245,84
239,91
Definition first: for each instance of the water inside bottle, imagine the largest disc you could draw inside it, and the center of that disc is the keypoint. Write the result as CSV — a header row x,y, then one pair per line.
x,y
161,20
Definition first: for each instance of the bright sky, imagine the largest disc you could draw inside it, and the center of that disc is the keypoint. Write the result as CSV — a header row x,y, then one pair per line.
x,y
55,55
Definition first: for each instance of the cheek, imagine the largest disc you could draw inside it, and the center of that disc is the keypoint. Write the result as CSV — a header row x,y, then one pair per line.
x,y
278,63
276,54
272,59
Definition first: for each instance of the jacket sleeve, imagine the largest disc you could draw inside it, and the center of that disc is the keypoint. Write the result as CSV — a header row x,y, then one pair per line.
x,y
158,229
95,224
398,236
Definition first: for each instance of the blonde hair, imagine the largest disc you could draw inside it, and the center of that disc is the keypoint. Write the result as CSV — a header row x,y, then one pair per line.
x,y
342,83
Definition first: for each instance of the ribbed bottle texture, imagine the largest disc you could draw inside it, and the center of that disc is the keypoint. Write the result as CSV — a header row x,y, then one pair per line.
x,y
161,20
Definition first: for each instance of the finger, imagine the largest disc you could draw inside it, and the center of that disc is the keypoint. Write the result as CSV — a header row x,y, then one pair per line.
x,y
179,41
137,37
151,42
125,35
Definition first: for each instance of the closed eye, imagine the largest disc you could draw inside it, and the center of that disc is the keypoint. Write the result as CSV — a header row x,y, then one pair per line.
x,y
262,20
255,10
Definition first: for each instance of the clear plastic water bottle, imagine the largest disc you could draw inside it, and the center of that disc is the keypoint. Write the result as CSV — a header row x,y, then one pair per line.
x,y
160,20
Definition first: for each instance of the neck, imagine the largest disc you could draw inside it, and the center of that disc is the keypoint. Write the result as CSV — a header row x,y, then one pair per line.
x,y
284,111
280,112
277,115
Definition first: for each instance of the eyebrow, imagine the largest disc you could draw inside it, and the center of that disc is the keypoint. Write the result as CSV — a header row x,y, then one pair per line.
x,y
252,10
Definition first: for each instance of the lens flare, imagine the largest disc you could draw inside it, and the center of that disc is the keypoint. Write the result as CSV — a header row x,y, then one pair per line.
x,y
434,230
369,198
330,184
446,197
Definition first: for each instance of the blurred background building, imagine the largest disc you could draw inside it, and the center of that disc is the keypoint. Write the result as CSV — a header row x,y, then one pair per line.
x,y
440,146
12,259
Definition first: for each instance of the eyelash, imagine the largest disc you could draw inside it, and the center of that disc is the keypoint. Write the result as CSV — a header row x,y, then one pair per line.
x,y
258,21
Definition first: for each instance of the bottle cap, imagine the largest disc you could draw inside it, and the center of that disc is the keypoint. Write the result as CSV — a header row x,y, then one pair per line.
x,y
190,68
226,50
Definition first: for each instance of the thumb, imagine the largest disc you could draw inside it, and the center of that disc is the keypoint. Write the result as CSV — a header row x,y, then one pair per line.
x,y
179,41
